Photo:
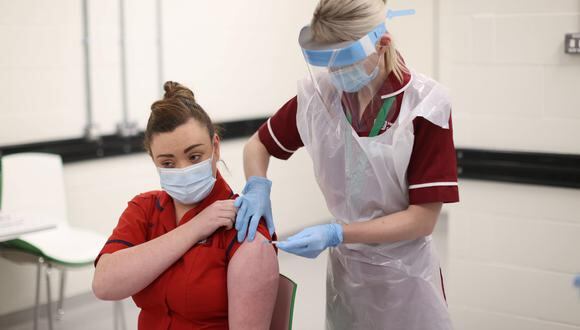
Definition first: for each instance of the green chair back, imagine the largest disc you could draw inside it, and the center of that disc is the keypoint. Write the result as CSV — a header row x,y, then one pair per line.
x,y
284,307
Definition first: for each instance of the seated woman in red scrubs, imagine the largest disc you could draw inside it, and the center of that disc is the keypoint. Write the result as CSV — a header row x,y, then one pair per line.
x,y
174,251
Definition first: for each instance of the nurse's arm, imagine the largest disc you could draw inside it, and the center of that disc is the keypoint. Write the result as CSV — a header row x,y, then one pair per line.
x,y
414,222
252,285
256,157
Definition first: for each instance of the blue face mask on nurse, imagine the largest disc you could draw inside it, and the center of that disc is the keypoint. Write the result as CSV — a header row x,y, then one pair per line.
x,y
353,78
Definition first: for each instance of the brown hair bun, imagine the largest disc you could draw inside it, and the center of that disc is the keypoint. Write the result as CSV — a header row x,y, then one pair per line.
x,y
176,108
176,91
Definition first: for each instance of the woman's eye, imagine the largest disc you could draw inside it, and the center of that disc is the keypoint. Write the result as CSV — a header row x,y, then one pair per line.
x,y
167,164
194,158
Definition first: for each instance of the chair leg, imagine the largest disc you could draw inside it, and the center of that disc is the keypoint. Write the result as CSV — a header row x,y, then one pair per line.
x,y
115,315
39,266
119,315
122,315
48,298
59,307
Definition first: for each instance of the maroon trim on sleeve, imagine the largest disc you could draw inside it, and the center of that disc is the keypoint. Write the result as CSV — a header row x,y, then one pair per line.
x,y
280,133
433,161
443,194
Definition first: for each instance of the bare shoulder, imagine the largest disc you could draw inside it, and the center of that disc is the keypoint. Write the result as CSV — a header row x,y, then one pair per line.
x,y
259,250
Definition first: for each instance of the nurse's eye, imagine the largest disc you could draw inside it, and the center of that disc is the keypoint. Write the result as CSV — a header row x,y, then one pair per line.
x,y
194,158
167,165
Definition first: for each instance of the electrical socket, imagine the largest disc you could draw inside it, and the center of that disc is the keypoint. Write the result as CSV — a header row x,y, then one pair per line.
x,y
572,43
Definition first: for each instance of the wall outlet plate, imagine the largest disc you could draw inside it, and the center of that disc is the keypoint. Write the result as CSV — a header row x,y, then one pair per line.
x,y
572,43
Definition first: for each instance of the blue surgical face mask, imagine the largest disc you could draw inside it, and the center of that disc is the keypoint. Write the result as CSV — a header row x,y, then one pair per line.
x,y
188,185
353,78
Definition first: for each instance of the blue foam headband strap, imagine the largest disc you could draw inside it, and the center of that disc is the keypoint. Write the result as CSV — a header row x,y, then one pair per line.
x,y
398,13
354,52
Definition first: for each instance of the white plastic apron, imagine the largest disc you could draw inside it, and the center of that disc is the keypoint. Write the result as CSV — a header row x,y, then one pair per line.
x,y
374,286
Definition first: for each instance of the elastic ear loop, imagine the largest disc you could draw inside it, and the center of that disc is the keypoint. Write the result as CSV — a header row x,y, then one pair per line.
x,y
222,161
225,166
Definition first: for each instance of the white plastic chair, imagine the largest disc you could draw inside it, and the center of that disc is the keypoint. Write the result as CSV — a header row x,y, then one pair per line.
x,y
33,186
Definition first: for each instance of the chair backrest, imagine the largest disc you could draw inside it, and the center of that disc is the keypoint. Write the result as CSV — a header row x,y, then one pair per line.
x,y
33,184
284,308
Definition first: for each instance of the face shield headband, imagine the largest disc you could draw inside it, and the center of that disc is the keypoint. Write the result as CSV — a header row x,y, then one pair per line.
x,y
344,53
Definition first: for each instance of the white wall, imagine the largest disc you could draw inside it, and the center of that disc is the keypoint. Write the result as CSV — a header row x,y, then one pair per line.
x,y
513,253
513,249
513,86
230,55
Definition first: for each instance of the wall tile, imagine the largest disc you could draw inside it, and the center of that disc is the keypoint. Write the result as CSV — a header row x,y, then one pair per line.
x,y
40,13
559,205
523,292
40,47
497,90
516,241
475,319
536,6
562,84
461,35
535,39
483,27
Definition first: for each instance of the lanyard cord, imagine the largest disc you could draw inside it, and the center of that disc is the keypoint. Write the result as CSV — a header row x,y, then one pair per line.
x,y
381,116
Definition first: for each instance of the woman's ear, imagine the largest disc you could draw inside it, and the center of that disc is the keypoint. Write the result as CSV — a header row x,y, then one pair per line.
x,y
384,42
216,146
215,153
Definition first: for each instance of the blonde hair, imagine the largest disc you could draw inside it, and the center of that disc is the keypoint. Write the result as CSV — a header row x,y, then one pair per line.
x,y
345,20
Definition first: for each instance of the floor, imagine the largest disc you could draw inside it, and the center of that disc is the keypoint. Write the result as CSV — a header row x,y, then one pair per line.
x,y
90,315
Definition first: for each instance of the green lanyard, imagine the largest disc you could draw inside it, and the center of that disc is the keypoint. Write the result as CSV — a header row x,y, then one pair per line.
x,y
381,116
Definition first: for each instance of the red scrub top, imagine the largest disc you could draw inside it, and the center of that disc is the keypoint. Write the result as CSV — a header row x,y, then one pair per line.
x,y
192,293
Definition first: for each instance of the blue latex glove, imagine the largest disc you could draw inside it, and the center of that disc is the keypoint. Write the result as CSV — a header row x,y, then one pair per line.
x,y
313,240
252,205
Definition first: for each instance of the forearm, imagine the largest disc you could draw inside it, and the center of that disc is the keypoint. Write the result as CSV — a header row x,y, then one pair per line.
x,y
256,157
412,223
126,272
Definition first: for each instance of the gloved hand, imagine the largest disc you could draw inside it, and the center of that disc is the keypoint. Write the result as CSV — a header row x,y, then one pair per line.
x,y
313,240
252,205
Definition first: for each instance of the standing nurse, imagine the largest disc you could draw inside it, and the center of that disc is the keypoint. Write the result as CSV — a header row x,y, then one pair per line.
x,y
381,143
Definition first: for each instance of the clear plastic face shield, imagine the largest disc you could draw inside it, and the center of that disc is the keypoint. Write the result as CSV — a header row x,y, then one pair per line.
x,y
347,74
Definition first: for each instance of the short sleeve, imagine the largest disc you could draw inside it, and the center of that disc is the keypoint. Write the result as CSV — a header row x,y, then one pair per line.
x,y
432,171
280,133
131,229
232,242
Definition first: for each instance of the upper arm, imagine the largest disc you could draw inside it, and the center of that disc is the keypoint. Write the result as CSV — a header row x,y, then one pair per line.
x,y
432,171
280,133
131,229
252,285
